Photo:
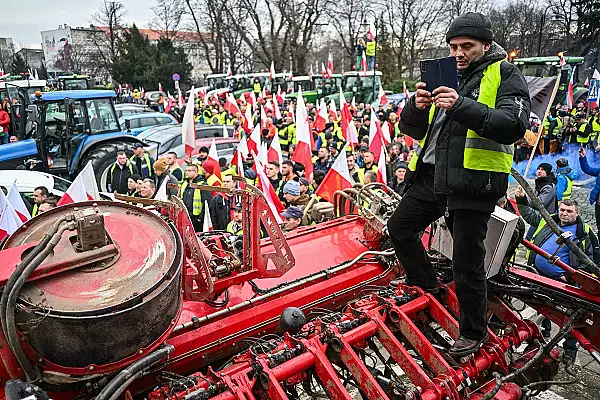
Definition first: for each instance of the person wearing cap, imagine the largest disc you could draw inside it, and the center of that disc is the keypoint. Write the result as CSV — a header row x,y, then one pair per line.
x,y
466,147
293,197
304,187
287,132
119,173
132,185
545,187
293,218
564,177
368,165
397,182
142,161
235,227
162,173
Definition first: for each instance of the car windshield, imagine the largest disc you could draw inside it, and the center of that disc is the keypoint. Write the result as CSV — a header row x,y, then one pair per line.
x,y
75,84
359,81
539,70
217,83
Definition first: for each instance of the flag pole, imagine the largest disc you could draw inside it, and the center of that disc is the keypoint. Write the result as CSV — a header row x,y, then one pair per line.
x,y
541,132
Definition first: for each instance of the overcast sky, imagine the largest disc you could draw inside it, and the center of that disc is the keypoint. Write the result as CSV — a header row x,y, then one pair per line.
x,y
24,21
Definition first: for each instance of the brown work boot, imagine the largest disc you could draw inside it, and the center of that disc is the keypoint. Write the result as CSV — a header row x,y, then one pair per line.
x,y
464,347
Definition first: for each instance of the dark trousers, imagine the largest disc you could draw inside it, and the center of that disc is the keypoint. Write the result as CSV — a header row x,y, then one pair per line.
x,y
416,211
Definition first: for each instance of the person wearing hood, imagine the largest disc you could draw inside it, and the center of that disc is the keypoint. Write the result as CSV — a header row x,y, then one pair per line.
x,y
292,196
564,176
461,168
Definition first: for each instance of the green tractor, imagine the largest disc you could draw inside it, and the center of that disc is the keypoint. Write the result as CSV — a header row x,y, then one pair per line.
x,y
317,87
543,67
73,82
360,85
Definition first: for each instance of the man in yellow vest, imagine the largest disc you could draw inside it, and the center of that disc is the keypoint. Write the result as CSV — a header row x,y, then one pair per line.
x,y
462,166
370,49
192,198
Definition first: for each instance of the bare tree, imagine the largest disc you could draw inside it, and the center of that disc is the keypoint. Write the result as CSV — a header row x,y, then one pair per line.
x,y
6,56
207,21
110,19
167,18
347,17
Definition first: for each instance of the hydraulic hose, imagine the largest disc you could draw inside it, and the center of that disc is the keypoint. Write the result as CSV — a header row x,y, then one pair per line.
x,y
32,373
585,260
120,382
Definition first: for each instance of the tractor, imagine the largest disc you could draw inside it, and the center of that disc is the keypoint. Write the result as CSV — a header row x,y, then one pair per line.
x,y
17,92
359,85
66,130
73,82
543,67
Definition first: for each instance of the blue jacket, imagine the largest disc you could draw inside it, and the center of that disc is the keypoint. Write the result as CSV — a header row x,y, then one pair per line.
x,y
593,171
561,175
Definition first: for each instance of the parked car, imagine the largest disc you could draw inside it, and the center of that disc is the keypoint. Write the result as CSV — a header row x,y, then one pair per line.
x,y
162,139
27,181
153,97
131,109
138,123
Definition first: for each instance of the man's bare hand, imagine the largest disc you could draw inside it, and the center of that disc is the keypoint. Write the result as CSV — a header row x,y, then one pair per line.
x,y
581,152
520,192
444,97
423,97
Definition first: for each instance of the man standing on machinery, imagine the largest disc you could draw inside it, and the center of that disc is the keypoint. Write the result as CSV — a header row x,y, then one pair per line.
x,y
461,168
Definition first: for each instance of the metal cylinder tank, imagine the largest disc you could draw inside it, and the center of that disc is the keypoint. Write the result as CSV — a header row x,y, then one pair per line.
x,y
99,316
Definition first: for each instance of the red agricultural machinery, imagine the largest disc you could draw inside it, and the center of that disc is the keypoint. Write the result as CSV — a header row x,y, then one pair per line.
x,y
108,300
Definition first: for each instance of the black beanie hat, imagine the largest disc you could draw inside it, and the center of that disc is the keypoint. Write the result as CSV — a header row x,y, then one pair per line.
x,y
546,167
473,25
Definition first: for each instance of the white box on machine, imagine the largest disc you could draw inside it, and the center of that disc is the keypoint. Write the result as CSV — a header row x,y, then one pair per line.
x,y
501,226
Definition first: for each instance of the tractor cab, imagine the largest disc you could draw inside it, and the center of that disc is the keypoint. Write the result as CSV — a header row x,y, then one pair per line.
x,y
73,82
65,120
328,85
216,81
18,92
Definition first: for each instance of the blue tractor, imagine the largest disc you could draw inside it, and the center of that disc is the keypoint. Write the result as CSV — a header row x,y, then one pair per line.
x,y
68,129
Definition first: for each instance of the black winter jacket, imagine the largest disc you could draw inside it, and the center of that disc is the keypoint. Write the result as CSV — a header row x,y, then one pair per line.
x,y
458,187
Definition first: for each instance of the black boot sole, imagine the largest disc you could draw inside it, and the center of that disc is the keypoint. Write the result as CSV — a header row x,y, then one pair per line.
x,y
468,351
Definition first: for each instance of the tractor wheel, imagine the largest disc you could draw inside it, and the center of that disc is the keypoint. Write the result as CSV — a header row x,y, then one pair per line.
x,y
102,157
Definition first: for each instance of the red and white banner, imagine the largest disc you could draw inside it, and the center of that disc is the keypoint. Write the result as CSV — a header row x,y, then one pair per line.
x,y
274,153
381,167
83,188
303,153
188,126
270,194
231,105
382,98
337,178
321,118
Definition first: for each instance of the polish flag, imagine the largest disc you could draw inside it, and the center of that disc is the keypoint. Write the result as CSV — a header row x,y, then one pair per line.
x,y
321,118
15,199
291,75
323,71
247,123
587,82
311,72
270,194
168,106
229,72
277,111
332,110
269,106
363,63
225,131
329,65
212,152
570,99
338,177
375,136
83,188
382,98
188,126
290,109
143,93
561,59
274,153
241,152
272,71
353,103
201,94
381,167
180,97
385,130
253,100
370,32
9,220
159,87
254,140
348,127
263,118
263,154
303,153
207,226
161,194
231,105
279,95
406,93
596,75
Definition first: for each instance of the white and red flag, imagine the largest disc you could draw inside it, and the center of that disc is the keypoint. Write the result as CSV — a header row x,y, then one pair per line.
x,y
274,153
279,96
381,167
570,98
231,105
323,71
303,153
382,98
247,124
270,194
15,200
188,126
277,110
329,65
375,136
332,110
561,59
321,118
363,63
229,72
159,87
254,140
207,226
83,188
240,154
371,32
272,71
406,93
9,220
347,122
337,178
311,72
